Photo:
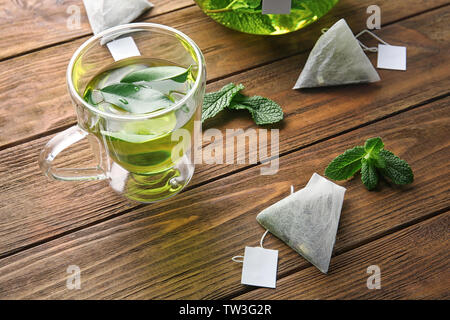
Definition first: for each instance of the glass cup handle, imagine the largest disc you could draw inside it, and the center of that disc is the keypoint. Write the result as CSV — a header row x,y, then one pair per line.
x,y
58,143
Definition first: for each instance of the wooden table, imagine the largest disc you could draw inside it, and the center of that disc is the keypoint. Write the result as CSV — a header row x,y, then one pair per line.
x,y
182,248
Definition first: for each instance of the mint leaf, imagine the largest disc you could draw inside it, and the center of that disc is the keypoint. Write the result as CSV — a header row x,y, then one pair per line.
x,y
373,147
88,96
175,73
263,110
371,159
135,99
396,169
379,162
215,102
369,175
241,15
345,165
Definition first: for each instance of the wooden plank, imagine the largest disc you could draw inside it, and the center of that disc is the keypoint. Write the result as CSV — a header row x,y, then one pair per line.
x,y
182,248
413,264
36,81
29,25
310,117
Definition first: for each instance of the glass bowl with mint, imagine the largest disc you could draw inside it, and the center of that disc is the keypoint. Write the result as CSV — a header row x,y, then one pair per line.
x,y
247,15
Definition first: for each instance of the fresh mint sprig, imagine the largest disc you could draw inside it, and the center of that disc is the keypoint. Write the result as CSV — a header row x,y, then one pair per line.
x,y
262,110
372,159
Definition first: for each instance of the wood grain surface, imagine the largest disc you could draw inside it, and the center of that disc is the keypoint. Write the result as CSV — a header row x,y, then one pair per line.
x,y
182,248
36,81
140,254
309,117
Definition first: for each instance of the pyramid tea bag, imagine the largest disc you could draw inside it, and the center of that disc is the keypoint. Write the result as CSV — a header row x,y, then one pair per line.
x,y
308,219
336,59
110,13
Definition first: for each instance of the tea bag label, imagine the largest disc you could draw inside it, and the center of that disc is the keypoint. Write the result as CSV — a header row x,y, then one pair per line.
x,y
260,267
391,57
276,6
123,48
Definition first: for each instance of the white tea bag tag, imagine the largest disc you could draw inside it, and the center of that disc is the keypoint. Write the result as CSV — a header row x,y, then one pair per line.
x,y
260,267
123,48
276,6
391,57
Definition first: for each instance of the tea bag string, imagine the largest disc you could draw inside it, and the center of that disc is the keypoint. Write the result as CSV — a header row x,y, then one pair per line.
x,y
366,48
240,259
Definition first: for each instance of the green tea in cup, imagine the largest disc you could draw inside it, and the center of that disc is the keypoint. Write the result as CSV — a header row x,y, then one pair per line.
x,y
134,86
132,110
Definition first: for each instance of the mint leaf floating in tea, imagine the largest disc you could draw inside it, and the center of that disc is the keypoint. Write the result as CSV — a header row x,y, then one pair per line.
x,y
174,73
135,99
215,102
263,110
372,159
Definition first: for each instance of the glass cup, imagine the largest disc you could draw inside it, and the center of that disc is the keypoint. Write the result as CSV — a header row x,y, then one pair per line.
x,y
146,170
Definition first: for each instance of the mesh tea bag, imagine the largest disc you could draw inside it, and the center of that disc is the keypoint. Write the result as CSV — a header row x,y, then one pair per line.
x,y
104,14
336,59
308,219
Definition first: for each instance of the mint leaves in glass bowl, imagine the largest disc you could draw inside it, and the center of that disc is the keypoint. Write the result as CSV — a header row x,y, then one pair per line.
x,y
246,15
